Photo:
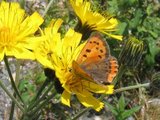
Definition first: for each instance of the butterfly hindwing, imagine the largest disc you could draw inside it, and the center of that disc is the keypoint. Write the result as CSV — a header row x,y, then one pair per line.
x,y
112,68
104,71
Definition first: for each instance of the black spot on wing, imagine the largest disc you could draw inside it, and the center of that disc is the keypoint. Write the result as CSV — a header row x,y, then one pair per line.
x,y
94,42
116,67
101,50
88,50
84,55
97,43
100,56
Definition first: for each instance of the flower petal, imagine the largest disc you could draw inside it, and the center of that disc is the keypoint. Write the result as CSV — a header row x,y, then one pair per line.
x,y
1,54
30,25
97,88
20,53
118,37
65,98
90,101
32,42
55,24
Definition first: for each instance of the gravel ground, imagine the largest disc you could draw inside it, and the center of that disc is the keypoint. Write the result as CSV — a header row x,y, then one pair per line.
x,y
26,69
5,101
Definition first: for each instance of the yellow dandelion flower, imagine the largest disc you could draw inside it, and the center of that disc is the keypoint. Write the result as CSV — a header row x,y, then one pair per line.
x,y
93,21
64,62
17,31
48,46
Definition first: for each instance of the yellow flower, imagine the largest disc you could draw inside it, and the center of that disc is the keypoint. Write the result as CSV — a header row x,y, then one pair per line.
x,y
17,30
64,52
93,21
48,46
67,71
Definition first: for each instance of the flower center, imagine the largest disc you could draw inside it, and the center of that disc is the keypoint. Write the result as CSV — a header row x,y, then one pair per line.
x,y
7,38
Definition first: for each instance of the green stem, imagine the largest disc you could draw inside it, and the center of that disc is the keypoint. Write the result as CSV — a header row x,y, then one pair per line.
x,y
16,83
32,112
121,70
125,89
36,116
46,82
10,95
80,113
131,87
43,96
12,111
17,64
22,3
47,8
11,78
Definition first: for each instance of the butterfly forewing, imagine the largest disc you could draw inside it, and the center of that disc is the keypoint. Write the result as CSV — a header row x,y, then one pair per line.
x,y
94,51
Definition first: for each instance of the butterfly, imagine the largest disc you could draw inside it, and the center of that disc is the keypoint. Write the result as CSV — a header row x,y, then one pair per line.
x,y
95,62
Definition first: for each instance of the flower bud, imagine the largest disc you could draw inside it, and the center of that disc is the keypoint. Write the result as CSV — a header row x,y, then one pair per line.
x,y
131,53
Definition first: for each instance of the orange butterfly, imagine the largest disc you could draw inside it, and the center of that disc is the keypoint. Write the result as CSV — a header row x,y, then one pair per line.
x,y
95,62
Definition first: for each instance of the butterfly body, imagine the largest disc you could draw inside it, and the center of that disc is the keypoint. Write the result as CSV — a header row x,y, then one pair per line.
x,y
95,61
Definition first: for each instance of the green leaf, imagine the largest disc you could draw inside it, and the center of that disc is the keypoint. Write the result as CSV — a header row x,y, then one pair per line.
x,y
27,90
137,19
121,28
150,9
151,27
121,103
40,78
126,3
113,6
153,49
22,85
130,112
112,108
